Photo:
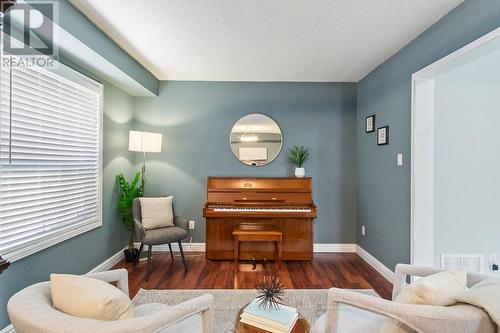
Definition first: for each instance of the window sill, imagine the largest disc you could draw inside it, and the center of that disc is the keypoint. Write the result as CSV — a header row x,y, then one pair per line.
x,y
42,245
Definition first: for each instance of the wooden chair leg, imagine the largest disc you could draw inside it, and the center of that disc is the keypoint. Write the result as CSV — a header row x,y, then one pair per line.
x,y
236,253
182,255
280,248
171,253
148,269
138,255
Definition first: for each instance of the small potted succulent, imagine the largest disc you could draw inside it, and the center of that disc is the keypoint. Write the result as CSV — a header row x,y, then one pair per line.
x,y
298,156
128,192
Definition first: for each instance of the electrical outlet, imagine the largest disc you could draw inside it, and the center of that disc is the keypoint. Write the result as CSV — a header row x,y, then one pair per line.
x,y
191,224
400,159
363,231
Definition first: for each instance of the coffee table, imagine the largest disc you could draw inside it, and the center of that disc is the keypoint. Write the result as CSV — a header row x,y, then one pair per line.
x,y
301,326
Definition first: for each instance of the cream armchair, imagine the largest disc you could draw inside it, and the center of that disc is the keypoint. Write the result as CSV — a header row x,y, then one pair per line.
x,y
350,311
30,311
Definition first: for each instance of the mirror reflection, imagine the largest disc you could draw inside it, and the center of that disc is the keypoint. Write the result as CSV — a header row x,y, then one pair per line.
x,y
256,139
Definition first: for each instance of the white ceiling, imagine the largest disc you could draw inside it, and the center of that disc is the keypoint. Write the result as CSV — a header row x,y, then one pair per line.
x,y
263,40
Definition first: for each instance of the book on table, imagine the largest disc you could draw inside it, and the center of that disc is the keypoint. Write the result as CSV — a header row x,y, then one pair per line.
x,y
279,320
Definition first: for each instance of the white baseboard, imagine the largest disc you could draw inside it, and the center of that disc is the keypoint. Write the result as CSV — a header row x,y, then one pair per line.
x,y
8,329
334,248
193,247
318,248
107,264
376,264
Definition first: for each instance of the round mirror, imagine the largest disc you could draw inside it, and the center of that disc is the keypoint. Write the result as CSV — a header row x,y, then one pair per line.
x,y
256,139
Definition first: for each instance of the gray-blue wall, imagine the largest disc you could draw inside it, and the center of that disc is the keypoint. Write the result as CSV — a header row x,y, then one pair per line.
x,y
383,187
196,119
80,254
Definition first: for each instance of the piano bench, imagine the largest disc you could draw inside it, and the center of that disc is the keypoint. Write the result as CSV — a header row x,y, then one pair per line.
x,y
257,233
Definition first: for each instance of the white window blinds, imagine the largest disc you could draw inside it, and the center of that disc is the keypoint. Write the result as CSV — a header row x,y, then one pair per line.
x,y
50,158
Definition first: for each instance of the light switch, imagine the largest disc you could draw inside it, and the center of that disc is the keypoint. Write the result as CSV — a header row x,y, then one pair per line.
x,y
400,159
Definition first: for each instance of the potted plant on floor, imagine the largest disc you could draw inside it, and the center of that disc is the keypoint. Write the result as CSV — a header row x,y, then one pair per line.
x,y
298,156
128,192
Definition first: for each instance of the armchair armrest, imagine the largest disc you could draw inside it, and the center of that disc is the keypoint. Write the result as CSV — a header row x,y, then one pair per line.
x,y
138,230
120,276
202,304
181,223
421,318
167,317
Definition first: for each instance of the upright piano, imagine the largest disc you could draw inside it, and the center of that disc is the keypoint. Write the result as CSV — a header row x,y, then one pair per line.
x,y
283,202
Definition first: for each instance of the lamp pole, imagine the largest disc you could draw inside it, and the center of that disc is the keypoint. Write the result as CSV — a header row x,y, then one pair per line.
x,y
143,179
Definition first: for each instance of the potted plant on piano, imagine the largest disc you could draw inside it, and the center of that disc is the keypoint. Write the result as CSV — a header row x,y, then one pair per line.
x,y
298,156
128,192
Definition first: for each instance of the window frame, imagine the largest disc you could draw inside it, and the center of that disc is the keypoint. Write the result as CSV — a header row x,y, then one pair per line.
x,y
76,77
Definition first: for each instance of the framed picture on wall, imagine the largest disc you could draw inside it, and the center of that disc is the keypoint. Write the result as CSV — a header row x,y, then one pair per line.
x,y
383,135
370,124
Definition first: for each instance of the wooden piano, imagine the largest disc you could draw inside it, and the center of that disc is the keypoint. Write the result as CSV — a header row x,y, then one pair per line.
x,y
283,202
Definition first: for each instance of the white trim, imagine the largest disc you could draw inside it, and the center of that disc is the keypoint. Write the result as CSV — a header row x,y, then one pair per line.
x,y
8,329
422,160
193,247
46,243
107,264
334,248
376,264
317,248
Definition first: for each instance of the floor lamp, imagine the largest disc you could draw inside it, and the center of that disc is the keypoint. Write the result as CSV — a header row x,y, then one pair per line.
x,y
145,142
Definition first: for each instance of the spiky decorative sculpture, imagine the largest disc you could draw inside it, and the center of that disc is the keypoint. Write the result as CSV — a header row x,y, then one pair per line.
x,y
271,291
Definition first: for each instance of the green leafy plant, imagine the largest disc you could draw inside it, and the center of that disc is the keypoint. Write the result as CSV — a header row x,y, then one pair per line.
x,y
129,191
298,155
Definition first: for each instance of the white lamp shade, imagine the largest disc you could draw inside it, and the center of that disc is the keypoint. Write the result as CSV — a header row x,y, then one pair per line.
x,y
146,142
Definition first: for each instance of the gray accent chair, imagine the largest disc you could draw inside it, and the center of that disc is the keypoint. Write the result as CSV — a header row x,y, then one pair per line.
x,y
158,236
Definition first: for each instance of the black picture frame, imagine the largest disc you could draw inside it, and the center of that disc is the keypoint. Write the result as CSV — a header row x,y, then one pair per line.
x,y
383,139
370,120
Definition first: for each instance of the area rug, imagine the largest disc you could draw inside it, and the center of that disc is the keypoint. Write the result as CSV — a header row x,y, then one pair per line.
x,y
311,303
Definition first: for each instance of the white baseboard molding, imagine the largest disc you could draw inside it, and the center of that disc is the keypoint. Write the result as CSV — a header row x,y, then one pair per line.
x,y
317,248
376,264
334,248
107,264
8,329
193,247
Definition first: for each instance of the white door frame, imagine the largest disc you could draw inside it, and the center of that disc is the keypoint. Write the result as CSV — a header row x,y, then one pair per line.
x,y
422,153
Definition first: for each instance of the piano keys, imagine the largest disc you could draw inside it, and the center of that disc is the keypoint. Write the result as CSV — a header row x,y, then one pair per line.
x,y
283,202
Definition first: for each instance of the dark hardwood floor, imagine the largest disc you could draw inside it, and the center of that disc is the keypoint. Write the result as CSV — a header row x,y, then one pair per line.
x,y
327,270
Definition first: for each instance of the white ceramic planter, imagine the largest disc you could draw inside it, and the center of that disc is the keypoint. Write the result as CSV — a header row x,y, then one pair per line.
x,y
300,172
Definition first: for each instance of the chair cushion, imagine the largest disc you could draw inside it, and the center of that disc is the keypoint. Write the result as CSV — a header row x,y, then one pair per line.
x,y
85,297
157,212
192,324
354,320
440,289
164,235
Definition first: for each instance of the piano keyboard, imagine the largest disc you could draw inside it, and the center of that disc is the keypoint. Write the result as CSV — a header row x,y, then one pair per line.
x,y
274,210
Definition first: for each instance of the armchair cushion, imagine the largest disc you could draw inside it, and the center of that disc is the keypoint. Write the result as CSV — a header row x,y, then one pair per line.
x,y
86,297
164,235
441,289
157,212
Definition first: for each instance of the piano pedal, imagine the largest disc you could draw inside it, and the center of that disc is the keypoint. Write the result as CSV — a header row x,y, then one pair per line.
x,y
254,263
264,262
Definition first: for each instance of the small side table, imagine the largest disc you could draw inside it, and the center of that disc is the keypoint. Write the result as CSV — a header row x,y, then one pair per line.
x,y
257,233
301,326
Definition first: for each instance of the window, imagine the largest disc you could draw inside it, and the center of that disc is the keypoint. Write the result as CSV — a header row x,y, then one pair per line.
x,y
50,157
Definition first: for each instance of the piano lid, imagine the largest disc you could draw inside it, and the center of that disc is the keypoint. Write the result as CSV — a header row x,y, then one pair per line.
x,y
271,183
